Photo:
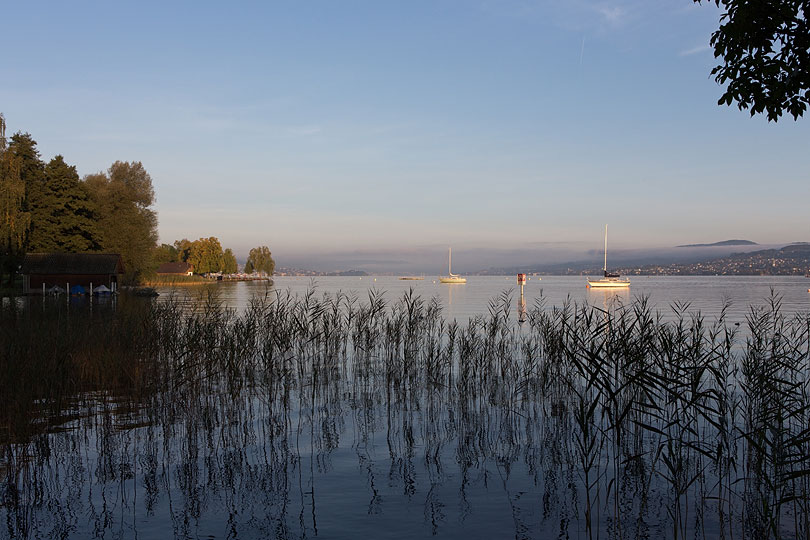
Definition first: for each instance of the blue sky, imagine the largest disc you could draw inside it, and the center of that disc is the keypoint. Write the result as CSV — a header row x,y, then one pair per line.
x,y
382,130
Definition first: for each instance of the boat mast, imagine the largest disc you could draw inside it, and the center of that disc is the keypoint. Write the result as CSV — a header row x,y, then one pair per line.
x,y
450,261
605,267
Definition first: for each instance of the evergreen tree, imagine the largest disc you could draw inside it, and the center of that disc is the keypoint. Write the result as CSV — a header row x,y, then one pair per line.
x,y
64,216
32,169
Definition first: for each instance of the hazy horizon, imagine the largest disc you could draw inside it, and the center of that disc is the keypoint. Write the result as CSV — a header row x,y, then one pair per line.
x,y
432,260
380,134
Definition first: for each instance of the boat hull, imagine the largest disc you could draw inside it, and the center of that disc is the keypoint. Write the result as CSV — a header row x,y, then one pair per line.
x,y
452,279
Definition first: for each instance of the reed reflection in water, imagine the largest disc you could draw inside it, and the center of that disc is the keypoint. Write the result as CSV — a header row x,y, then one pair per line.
x,y
337,416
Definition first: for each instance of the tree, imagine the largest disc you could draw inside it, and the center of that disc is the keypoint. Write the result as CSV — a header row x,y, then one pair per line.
x,y
32,174
21,171
32,169
124,196
64,217
183,248
260,260
165,253
206,255
765,47
230,266
14,222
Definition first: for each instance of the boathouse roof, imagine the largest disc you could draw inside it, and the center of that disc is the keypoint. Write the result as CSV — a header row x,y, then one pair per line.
x,y
72,263
175,268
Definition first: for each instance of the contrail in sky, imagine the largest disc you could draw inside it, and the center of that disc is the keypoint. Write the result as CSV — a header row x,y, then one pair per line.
x,y
582,51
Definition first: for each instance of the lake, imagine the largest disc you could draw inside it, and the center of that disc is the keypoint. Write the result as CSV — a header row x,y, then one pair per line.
x,y
326,417
704,294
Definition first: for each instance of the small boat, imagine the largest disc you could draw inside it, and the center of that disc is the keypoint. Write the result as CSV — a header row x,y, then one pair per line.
x,y
610,280
412,278
451,277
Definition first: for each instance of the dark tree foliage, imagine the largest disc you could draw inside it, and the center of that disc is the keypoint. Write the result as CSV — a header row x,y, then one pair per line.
x,y
64,216
14,221
165,253
32,169
54,211
765,47
25,171
183,248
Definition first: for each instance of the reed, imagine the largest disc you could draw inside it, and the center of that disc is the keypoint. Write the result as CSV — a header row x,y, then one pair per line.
x,y
615,411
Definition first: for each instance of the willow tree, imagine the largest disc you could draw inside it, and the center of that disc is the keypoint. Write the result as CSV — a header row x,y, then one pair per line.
x,y
124,196
260,260
14,220
206,255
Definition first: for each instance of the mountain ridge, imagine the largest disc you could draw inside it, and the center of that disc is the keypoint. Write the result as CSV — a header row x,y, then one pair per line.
x,y
721,243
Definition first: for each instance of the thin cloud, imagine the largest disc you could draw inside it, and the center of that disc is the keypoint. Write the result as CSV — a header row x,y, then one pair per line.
x,y
304,131
611,14
695,50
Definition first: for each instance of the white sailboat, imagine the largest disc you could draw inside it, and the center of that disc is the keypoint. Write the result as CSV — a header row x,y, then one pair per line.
x,y
609,280
451,277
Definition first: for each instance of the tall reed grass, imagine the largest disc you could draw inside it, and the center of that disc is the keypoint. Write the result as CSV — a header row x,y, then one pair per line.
x,y
634,426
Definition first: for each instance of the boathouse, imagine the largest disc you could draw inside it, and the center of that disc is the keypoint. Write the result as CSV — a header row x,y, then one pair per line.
x,y
59,269
176,269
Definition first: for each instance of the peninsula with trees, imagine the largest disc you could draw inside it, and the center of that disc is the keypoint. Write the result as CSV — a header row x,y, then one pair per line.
x,y
48,208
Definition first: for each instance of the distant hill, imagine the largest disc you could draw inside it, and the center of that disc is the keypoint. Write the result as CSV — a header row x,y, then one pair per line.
x,y
792,259
723,243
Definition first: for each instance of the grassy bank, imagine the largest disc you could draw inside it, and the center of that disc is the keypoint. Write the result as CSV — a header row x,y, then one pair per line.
x,y
169,280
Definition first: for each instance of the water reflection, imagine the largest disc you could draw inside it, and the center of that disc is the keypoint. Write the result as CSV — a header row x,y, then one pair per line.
x,y
521,308
607,298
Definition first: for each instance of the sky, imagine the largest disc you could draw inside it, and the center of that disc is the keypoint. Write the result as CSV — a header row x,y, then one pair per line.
x,y
375,134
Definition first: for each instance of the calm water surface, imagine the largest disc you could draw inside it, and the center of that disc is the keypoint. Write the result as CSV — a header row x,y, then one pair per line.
x,y
704,294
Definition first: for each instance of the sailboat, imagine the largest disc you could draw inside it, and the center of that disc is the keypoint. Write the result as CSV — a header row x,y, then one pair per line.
x,y
451,277
609,280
